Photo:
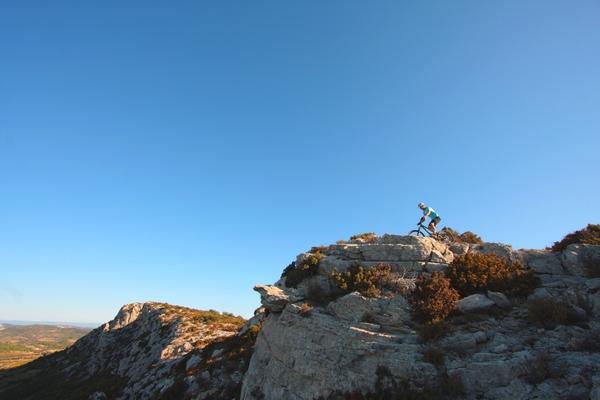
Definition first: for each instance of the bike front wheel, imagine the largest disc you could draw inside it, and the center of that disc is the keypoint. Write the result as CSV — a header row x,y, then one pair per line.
x,y
445,237
416,232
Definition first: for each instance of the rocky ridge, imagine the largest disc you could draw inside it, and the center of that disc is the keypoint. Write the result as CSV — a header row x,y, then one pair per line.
x,y
495,351
149,351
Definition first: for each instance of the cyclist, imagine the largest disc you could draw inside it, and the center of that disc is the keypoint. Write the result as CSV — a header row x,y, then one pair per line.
x,y
429,212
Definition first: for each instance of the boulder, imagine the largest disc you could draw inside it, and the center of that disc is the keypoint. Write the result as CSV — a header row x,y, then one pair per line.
x,y
353,307
501,250
274,299
474,303
576,257
543,262
499,299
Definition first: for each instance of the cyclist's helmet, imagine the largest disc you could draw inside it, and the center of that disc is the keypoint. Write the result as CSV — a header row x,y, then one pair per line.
x,y
421,205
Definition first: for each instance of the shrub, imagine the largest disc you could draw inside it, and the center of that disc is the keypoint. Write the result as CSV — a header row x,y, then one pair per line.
x,y
466,237
394,283
548,313
305,310
315,294
294,274
372,282
434,355
477,273
470,237
355,279
588,235
538,368
452,385
433,299
367,237
434,331
318,249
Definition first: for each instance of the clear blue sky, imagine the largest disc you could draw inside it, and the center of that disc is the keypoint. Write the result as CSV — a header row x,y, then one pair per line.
x,y
185,151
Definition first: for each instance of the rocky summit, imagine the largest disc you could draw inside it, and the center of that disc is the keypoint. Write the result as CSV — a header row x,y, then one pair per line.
x,y
304,343
493,351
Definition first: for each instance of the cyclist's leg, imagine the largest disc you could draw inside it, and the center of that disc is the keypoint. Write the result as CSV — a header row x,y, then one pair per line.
x,y
433,224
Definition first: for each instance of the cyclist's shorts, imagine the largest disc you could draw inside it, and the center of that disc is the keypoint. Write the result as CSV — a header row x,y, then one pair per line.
x,y
436,220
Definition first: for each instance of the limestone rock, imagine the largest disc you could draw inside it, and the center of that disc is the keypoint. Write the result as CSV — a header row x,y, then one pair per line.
x,y
543,262
499,299
501,250
575,257
275,299
354,306
473,303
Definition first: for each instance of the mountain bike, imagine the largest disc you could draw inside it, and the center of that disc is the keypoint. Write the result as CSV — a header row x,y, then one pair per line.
x,y
442,236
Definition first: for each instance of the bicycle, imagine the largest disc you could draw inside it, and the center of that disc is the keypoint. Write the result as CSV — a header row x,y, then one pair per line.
x,y
442,236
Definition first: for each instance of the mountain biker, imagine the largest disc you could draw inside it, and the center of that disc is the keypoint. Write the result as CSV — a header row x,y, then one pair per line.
x,y
429,212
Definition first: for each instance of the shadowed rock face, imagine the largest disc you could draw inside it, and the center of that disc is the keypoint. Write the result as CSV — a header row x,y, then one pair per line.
x,y
495,350
149,351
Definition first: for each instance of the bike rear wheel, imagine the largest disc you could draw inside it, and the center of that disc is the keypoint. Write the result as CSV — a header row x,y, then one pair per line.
x,y
416,232
445,237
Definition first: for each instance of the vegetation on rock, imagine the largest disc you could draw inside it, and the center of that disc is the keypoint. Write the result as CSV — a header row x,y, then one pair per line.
x,y
294,274
465,237
477,273
367,237
372,282
432,299
587,235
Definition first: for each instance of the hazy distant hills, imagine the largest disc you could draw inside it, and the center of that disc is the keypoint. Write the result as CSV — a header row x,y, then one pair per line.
x,y
20,344
77,324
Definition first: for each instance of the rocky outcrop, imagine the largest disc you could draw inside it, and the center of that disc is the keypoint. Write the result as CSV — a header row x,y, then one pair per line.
x,y
495,351
149,351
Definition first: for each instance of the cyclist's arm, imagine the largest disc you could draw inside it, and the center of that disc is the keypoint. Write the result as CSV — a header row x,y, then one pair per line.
x,y
425,216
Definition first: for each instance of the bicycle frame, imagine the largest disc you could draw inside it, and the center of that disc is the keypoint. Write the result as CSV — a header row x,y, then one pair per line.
x,y
441,236
421,226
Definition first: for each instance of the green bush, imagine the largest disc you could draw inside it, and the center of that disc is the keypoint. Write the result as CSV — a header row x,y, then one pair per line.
x,y
371,282
294,274
355,279
432,299
477,273
588,235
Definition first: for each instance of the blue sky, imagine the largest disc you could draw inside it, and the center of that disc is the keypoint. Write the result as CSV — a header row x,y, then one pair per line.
x,y
185,151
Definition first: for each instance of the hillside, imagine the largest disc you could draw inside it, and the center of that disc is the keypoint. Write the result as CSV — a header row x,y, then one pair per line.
x,y
319,344
342,323
149,351
20,344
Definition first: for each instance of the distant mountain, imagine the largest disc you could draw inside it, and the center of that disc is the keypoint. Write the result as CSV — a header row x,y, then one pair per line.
x,y
79,324
20,344
149,351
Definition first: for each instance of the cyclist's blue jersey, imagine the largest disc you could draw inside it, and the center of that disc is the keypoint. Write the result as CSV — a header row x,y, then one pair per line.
x,y
433,214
